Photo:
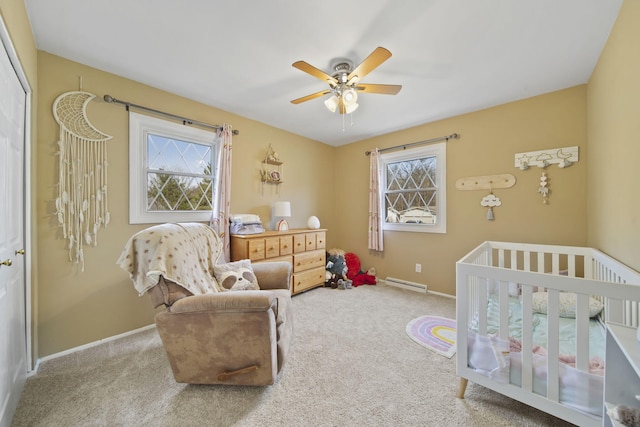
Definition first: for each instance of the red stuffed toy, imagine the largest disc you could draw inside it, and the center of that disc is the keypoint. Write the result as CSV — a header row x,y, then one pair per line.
x,y
353,265
355,273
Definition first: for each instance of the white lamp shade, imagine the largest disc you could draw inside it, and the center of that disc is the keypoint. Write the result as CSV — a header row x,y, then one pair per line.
x,y
350,96
282,209
332,103
350,108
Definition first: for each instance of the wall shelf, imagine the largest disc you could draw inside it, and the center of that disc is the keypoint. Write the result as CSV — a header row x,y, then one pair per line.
x,y
271,170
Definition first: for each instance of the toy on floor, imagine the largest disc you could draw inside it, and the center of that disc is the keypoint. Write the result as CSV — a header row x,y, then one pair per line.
x,y
346,266
336,264
626,415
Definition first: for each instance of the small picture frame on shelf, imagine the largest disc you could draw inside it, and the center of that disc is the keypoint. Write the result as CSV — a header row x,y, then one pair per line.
x,y
275,175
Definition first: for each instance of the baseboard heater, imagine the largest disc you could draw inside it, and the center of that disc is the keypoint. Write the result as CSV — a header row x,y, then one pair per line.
x,y
405,284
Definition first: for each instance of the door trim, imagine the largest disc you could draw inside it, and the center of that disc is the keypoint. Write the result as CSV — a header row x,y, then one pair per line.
x,y
22,77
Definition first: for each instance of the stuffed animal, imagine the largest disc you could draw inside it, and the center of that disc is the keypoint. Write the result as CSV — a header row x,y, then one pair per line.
x,y
240,280
331,282
345,284
336,263
626,415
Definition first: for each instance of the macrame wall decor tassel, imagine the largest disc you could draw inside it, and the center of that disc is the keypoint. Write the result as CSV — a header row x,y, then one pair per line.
x,y
81,205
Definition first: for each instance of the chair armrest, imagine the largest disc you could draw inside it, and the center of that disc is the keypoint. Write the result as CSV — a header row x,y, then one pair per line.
x,y
232,301
273,274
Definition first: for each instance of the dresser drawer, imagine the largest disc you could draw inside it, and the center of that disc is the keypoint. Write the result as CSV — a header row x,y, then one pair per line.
x,y
307,279
299,243
308,260
286,245
320,240
271,247
254,250
285,258
310,240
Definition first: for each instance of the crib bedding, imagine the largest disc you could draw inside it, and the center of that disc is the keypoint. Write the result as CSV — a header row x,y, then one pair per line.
x,y
495,357
567,330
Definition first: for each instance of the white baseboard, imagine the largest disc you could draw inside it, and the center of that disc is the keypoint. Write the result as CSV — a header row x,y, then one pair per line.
x,y
413,286
442,295
86,346
405,284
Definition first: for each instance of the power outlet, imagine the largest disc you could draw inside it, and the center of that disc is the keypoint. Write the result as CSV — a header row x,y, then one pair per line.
x,y
418,268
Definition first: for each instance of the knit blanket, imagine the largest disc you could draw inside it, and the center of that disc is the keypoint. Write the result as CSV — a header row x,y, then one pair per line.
x,y
184,253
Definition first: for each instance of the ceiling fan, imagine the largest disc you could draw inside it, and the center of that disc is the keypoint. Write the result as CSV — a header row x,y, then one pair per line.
x,y
344,84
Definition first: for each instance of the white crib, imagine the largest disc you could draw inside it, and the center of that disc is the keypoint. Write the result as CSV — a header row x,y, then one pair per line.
x,y
497,270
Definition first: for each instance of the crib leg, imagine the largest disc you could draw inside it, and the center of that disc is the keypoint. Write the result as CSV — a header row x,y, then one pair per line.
x,y
462,387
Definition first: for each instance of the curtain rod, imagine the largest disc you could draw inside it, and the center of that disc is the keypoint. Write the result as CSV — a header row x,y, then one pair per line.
x,y
428,141
184,120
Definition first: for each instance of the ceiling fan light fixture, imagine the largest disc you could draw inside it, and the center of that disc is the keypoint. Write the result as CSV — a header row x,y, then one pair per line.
x,y
350,108
332,103
350,96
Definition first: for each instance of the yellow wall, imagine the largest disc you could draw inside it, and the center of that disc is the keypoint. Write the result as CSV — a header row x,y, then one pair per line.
x,y
614,142
489,140
76,308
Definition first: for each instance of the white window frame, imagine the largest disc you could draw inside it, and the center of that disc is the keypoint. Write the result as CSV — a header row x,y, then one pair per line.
x,y
140,126
440,153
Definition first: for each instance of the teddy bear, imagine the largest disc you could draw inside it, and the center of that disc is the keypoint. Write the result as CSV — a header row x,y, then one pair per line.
x,y
331,281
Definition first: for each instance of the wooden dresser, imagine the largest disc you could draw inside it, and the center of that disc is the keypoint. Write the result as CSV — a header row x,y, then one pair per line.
x,y
305,249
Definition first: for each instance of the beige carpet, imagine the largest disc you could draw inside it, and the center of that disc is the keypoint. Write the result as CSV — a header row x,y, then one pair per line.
x,y
351,364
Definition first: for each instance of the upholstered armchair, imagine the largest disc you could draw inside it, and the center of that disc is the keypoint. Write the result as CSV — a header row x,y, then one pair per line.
x,y
211,335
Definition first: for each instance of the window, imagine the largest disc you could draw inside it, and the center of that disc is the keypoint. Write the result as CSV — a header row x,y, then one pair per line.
x,y
413,189
170,171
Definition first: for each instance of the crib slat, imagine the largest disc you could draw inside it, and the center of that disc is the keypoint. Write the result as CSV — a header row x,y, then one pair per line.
x,y
571,265
540,266
555,263
482,313
504,310
582,332
527,338
553,351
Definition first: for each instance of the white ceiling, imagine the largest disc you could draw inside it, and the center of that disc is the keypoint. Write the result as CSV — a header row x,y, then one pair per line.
x,y
450,56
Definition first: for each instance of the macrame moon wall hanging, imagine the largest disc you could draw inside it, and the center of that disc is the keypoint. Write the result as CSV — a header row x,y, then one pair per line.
x,y
81,205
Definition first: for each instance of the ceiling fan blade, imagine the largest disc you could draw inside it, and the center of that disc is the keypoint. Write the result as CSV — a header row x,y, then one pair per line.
x,y
310,97
383,89
315,72
377,57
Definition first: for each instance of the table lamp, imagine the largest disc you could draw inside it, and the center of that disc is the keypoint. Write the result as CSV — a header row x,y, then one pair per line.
x,y
282,210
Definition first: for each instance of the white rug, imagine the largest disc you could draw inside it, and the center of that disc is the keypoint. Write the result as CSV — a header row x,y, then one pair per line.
x,y
436,333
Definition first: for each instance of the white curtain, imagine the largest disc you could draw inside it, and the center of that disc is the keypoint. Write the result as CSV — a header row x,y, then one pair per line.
x,y
375,220
221,199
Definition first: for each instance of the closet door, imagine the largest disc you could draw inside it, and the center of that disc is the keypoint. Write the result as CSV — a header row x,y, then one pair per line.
x,y
13,348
